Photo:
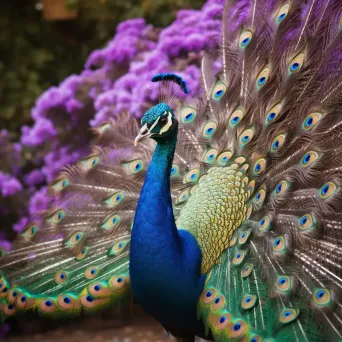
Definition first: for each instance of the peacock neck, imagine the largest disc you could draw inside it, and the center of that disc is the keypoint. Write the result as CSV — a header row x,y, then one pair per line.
x,y
162,257
154,215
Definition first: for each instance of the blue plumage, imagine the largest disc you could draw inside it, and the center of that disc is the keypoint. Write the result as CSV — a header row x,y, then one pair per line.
x,y
173,78
165,264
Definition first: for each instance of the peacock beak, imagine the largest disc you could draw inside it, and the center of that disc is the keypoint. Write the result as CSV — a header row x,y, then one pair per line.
x,y
144,133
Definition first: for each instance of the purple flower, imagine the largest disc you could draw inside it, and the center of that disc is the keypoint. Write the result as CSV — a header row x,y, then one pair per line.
x,y
9,185
42,130
20,225
34,177
40,201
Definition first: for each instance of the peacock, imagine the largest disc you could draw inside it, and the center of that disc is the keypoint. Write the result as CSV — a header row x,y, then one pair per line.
x,y
221,214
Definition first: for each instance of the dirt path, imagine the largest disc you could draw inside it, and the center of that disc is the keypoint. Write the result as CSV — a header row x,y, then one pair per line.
x,y
139,328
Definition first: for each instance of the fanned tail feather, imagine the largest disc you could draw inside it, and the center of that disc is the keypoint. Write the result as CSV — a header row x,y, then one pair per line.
x,y
281,277
272,119
74,259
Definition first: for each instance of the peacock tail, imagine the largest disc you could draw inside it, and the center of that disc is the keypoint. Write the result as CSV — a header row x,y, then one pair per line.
x,y
256,179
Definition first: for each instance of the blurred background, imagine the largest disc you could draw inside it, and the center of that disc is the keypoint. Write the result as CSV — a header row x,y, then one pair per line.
x,y
67,66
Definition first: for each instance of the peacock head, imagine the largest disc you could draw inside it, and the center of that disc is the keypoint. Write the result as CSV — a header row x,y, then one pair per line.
x,y
158,123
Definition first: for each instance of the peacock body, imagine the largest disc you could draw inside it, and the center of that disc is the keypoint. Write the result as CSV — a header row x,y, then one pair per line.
x,y
236,233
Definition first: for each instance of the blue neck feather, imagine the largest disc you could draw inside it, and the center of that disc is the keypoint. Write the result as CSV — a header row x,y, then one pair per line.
x,y
164,262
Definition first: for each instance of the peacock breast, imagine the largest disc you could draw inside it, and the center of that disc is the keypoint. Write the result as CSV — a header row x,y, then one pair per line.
x,y
215,210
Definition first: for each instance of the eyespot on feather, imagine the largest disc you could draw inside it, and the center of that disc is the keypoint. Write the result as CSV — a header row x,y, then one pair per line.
x,y
296,64
90,162
184,195
246,270
47,306
115,199
288,315
25,301
282,13
262,78
282,186
60,184
99,290
82,254
223,158
188,114
174,171
273,114
56,217
30,231
209,129
328,190
279,245
111,222
209,156
117,248
256,338
208,295
222,321
306,222
219,303
12,295
191,176
248,301
260,196
246,136
135,166
91,303
91,272
238,329
238,257
219,90
277,143
311,120
283,284
68,302
309,158
236,117
244,235
117,283
74,239
265,224
245,38
9,309
322,297
259,166
61,277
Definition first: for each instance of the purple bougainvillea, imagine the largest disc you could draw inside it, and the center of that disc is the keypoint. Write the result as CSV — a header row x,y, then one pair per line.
x,y
116,79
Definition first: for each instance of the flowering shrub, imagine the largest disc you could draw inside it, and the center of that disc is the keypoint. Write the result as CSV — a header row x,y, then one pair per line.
x,y
115,79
